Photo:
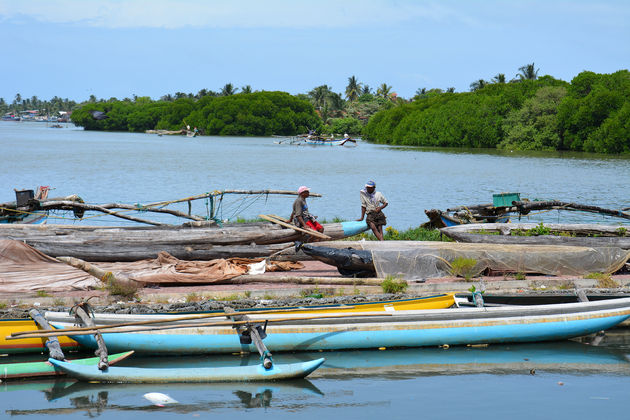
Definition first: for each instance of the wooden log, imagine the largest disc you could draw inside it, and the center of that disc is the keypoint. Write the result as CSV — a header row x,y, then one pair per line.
x,y
527,206
102,349
52,343
71,205
252,331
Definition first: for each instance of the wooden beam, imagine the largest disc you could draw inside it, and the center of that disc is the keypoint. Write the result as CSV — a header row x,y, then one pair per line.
x,y
290,226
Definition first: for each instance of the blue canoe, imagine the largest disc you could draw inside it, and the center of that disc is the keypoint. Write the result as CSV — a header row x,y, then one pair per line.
x,y
254,373
410,328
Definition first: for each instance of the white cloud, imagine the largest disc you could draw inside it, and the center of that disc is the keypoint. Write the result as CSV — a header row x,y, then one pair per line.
x,y
226,14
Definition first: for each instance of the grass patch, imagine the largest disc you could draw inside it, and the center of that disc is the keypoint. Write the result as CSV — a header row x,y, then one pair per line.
x,y
42,293
394,285
193,297
3,305
604,281
412,234
124,288
621,231
520,276
463,267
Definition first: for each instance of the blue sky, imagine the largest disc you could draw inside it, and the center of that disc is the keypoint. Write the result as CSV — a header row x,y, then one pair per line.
x,y
112,48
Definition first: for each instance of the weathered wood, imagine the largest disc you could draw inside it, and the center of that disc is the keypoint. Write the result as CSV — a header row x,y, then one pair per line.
x,y
298,229
102,349
252,331
52,343
71,205
526,206
581,295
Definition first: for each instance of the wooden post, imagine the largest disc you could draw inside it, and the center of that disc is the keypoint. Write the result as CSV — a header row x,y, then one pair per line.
x,y
251,331
52,343
102,349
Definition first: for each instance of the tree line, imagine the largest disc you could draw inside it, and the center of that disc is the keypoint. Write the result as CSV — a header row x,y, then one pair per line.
x,y
590,114
45,107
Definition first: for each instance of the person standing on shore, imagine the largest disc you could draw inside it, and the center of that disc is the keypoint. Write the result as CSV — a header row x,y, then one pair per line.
x,y
372,204
300,215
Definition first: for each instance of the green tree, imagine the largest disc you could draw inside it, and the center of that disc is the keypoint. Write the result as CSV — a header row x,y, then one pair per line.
x,y
499,78
246,89
228,89
534,126
528,72
478,84
384,91
353,89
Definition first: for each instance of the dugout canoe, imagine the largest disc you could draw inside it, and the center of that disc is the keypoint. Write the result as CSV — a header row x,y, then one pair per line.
x,y
255,373
420,260
185,242
589,235
43,369
303,332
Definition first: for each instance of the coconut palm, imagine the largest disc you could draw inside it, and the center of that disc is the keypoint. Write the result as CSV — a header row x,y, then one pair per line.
x,y
384,91
319,95
499,78
246,89
228,89
528,72
366,90
353,89
477,84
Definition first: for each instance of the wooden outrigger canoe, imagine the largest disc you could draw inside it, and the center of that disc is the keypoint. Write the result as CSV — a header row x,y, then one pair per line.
x,y
27,345
37,345
43,369
254,373
302,332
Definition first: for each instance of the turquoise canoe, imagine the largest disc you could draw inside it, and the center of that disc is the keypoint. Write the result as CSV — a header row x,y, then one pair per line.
x,y
254,373
412,328
42,369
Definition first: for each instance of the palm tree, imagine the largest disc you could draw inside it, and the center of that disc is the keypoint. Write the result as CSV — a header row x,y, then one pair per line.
x,y
168,97
353,89
478,84
320,95
384,90
18,99
228,89
528,72
246,89
421,91
366,90
180,95
450,90
499,78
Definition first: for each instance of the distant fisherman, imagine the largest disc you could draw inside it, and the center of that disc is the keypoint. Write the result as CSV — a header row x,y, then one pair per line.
x,y
300,215
373,203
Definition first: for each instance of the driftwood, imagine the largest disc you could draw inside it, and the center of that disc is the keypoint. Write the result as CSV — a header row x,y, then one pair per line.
x,y
525,207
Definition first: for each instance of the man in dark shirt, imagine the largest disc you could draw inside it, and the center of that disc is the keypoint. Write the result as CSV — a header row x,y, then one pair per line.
x,y
300,215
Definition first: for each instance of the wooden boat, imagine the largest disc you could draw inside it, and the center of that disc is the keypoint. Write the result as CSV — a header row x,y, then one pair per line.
x,y
26,345
254,373
504,206
589,235
37,345
43,369
322,141
187,242
414,328
418,260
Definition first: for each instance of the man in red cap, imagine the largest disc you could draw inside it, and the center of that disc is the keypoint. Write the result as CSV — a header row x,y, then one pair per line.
x,y
373,203
300,215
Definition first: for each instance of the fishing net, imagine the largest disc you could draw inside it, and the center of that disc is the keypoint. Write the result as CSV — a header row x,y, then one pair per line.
x,y
421,260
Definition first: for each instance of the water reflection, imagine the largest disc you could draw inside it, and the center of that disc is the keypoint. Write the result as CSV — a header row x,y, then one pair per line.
x,y
342,371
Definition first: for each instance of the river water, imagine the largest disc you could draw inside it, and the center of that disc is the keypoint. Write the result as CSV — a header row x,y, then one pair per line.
x,y
563,380
141,168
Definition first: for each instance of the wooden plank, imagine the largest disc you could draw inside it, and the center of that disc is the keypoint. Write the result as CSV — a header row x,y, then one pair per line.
x,y
307,231
102,349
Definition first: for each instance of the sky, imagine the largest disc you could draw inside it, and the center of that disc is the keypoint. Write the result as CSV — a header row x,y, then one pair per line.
x,y
113,48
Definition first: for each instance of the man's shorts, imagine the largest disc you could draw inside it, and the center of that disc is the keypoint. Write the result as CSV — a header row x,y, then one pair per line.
x,y
378,218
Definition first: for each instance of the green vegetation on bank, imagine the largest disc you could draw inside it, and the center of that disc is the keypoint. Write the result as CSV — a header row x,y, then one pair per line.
x,y
248,114
591,114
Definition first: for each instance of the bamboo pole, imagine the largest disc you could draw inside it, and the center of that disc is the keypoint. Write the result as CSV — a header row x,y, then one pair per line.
x,y
19,334
105,329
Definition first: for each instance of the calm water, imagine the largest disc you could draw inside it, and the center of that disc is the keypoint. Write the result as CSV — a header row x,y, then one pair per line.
x,y
571,380
132,168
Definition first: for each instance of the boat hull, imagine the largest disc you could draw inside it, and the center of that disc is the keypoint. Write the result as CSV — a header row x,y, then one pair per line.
x,y
254,373
458,326
44,369
26,345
